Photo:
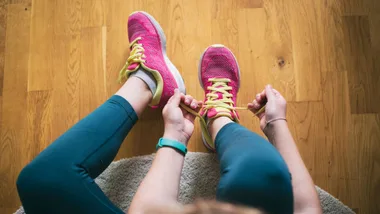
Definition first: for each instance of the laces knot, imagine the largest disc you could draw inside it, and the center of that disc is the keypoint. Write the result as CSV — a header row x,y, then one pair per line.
x,y
219,95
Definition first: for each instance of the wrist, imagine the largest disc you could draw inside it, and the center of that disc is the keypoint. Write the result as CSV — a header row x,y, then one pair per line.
x,y
175,136
272,127
170,152
173,144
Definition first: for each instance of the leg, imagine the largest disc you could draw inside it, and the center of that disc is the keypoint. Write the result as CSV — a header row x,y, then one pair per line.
x,y
60,178
253,173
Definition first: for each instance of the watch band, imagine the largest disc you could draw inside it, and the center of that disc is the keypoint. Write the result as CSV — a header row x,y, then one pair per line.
x,y
163,142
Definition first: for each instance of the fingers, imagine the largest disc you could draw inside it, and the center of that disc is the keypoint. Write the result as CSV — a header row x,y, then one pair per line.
x,y
259,101
192,103
256,104
189,101
258,98
261,98
269,92
175,99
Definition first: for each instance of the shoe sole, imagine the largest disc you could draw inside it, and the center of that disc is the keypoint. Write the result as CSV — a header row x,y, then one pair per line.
x,y
201,83
173,70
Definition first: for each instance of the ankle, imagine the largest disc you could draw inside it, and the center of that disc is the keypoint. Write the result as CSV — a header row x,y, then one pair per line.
x,y
148,79
137,93
217,124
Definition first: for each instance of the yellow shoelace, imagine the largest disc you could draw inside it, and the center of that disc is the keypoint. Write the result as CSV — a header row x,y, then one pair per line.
x,y
212,101
136,56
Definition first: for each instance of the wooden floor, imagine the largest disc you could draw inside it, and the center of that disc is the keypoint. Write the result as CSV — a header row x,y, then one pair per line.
x,y
59,60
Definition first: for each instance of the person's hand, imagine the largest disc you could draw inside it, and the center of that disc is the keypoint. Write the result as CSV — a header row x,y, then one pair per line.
x,y
275,105
179,124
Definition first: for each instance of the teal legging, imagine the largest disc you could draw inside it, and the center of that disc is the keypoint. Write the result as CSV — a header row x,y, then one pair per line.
x,y
61,178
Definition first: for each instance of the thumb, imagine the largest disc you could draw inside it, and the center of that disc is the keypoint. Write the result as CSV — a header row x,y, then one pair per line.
x,y
269,92
176,98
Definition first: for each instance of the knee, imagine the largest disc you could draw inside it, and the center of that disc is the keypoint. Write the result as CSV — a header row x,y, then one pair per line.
x,y
30,177
267,168
257,180
39,179
26,183
257,173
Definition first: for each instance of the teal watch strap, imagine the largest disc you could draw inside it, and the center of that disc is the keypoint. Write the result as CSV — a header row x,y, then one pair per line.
x,y
163,142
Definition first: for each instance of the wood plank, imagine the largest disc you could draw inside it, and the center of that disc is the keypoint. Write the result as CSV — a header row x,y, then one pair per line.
x,y
375,47
250,3
374,27
375,42
224,24
3,27
92,85
337,113
305,119
363,146
25,2
93,13
335,175
356,7
1,108
14,123
117,44
39,128
41,46
305,23
360,65
331,33
67,60
266,51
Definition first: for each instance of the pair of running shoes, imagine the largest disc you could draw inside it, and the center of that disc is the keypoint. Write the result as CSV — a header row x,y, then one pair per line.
x,y
218,71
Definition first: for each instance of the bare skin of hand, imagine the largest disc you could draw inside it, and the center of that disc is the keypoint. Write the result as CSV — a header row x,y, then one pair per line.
x,y
179,124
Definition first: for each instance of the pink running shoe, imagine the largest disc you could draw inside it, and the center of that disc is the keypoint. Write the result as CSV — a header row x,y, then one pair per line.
x,y
148,52
219,76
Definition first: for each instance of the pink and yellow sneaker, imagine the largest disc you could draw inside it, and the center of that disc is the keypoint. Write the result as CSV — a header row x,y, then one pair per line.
x,y
219,76
148,52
